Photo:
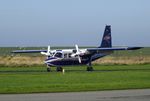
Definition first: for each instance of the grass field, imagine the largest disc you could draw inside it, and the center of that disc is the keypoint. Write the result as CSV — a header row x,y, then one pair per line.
x,y
105,77
26,73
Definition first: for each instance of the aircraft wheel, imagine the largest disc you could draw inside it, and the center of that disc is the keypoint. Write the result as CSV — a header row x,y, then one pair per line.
x,y
90,68
48,69
59,69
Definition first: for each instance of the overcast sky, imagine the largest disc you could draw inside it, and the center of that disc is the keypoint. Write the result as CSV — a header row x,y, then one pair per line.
x,y
70,22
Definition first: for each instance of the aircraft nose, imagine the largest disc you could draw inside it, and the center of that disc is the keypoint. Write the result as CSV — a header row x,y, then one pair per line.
x,y
50,61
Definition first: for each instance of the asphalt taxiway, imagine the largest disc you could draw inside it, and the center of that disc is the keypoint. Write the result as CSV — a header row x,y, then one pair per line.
x,y
115,95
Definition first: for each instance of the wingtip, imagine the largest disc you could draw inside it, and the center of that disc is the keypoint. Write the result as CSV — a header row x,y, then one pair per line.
x,y
134,48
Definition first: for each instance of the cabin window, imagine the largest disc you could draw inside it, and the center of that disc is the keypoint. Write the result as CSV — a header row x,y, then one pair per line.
x,y
65,55
69,55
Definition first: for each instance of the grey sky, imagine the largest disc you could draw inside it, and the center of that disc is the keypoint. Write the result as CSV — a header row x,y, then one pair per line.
x,y
69,22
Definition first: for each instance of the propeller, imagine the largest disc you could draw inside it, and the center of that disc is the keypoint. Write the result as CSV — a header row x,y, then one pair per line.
x,y
78,53
48,53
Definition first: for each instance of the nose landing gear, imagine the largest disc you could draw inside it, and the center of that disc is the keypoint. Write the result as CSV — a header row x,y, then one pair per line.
x,y
59,69
48,68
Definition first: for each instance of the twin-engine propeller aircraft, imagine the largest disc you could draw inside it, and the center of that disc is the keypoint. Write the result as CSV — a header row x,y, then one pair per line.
x,y
65,57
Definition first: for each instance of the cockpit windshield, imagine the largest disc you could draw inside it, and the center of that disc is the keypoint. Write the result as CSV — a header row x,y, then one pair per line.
x,y
58,54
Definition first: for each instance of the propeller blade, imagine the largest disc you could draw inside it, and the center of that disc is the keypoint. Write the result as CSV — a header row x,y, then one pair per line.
x,y
43,53
48,49
48,53
77,48
78,53
79,59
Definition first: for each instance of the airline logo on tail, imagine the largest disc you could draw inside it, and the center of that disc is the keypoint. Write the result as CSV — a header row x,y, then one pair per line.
x,y
107,38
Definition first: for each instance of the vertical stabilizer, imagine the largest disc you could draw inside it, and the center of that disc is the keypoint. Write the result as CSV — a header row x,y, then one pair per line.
x,y
106,40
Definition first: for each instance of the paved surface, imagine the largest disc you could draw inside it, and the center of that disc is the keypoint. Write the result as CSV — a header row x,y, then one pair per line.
x,y
118,95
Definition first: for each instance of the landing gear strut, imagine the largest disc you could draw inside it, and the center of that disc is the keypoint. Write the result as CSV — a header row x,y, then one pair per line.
x,y
59,69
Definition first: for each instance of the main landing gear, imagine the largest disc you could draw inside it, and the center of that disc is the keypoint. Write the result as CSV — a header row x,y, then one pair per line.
x,y
89,66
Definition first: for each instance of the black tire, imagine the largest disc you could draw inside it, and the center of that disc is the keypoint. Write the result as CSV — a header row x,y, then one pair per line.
x,y
48,69
89,68
59,69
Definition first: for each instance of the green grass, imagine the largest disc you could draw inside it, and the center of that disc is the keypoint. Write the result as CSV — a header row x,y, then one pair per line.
x,y
105,77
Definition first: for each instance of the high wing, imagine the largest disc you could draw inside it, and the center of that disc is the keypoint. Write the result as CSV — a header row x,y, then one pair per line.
x,y
112,49
28,51
88,49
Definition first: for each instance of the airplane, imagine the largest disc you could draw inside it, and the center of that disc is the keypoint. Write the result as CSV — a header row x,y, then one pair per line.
x,y
66,57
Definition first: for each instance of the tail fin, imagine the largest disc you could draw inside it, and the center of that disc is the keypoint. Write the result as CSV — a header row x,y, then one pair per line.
x,y
106,40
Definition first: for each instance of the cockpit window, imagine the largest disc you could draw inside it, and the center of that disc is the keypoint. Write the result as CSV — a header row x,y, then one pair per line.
x,y
59,55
